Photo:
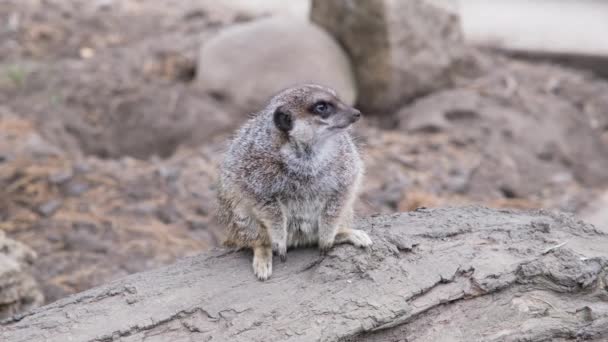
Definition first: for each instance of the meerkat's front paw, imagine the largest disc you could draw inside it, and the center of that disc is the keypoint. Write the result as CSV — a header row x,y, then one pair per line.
x,y
355,237
281,250
262,263
360,238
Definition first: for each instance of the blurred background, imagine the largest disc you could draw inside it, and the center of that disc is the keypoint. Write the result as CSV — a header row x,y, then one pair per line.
x,y
114,115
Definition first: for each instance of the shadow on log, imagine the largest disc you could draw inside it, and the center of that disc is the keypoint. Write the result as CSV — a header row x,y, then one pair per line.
x,y
459,274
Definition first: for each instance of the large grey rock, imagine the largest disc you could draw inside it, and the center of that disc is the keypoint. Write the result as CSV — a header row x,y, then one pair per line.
x,y
531,125
248,63
18,289
400,49
459,274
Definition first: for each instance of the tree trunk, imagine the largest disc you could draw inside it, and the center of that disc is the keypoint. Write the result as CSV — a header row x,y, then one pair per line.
x,y
460,274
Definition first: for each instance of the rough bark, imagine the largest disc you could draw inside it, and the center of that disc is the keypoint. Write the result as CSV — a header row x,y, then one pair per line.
x,y
460,274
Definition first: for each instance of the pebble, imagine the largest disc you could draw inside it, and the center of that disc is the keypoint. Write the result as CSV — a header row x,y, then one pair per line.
x,y
49,208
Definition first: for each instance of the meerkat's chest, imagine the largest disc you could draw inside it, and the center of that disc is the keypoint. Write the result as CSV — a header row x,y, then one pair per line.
x,y
302,218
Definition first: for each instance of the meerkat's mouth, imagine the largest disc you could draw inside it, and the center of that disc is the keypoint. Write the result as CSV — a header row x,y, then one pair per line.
x,y
339,127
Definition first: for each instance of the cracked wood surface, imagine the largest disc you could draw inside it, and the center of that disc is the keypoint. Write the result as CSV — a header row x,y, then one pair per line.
x,y
457,274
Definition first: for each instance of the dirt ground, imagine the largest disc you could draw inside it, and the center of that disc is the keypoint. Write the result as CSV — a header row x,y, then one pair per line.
x,y
100,195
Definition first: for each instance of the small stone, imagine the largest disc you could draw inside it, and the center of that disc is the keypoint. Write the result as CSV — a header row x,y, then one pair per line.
x,y
49,208
168,173
167,214
544,227
61,176
458,181
76,188
87,53
14,22
202,210
104,4
198,225
82,167
131,289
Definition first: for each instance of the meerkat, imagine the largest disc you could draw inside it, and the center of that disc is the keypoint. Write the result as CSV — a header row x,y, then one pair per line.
x,y
290,177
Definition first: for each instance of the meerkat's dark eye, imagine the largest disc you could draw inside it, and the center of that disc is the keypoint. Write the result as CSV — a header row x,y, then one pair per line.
x,y
323,108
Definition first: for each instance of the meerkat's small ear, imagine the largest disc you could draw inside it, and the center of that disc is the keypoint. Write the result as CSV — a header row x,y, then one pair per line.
x,y
283,120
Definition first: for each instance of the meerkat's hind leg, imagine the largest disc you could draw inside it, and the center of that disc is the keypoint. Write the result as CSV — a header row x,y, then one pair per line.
x,y
325,244
354,237
279,245
276,224
262,262
327,239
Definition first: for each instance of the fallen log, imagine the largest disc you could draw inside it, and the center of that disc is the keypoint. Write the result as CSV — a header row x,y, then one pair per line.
x,y
456,274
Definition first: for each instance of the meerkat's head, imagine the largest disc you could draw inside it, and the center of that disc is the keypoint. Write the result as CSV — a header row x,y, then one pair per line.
x,y
311,113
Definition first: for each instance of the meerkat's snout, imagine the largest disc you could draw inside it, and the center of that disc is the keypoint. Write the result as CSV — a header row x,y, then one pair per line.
x,y
355,115
346,118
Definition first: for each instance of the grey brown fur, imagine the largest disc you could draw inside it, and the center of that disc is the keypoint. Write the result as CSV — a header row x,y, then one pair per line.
x,y
290,177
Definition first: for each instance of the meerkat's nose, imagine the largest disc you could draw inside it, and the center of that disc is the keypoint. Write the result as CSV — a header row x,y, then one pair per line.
x,y
356,115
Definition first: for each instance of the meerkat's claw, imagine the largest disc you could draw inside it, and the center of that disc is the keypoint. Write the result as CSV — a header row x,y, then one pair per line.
x,y
282,256
325,247
280,250
360,238
262,269
355,237
262,263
